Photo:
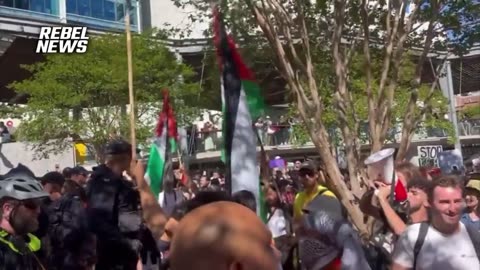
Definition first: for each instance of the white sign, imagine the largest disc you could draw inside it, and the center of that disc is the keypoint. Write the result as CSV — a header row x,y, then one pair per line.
x,y
428,155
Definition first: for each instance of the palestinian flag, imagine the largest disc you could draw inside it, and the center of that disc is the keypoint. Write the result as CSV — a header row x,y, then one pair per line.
x,y
159,168
242,102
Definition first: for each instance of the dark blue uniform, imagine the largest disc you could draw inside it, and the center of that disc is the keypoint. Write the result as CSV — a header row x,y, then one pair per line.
x,y
114,217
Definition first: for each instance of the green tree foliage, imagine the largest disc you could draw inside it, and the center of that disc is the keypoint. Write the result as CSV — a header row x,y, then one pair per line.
x,y
472,112
83,96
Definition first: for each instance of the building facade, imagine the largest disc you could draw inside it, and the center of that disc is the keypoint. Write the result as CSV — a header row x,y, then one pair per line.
x,y
23,18
96,14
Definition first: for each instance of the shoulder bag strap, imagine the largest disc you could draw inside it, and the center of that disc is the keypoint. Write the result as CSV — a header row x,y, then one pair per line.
x,y
475,238
422,234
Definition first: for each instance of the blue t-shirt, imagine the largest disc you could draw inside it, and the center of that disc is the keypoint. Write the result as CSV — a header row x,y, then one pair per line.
x,y
468,221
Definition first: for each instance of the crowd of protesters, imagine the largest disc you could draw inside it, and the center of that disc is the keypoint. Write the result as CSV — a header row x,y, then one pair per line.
x,y
110,219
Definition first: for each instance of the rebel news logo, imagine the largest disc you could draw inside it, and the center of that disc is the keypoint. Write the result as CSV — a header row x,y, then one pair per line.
x,y
62,40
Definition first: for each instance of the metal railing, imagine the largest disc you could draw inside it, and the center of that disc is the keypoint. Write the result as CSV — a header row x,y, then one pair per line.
x,y
282,135
211,140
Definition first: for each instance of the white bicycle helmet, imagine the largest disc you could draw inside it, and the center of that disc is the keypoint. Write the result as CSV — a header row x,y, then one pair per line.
x,y
21,187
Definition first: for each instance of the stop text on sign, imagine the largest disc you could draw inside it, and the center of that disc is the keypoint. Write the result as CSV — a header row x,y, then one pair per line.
x,y
428,155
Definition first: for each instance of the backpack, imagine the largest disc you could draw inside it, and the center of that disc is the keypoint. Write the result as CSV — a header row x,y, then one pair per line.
x,y
422,234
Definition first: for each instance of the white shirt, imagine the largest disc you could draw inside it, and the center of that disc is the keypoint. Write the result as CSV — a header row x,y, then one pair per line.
x,y
439,251
277,223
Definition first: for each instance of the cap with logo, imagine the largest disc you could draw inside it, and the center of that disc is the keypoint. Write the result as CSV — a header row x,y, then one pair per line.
x,y
309,165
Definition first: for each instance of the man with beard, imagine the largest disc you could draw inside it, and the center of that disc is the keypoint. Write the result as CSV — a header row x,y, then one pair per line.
x,y
79,175
20,199
418,200
444,243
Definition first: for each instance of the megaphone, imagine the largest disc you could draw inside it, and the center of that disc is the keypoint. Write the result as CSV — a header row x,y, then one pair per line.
x,y
380,166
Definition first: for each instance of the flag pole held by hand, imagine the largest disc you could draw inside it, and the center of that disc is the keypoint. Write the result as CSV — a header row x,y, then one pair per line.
x,y
131,96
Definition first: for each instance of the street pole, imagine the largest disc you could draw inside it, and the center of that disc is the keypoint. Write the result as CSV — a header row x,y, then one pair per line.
x,y
131,96
452,106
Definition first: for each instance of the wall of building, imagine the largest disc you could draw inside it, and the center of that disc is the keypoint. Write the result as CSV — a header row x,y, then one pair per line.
x,y
99,14
12,154
472,100
157,13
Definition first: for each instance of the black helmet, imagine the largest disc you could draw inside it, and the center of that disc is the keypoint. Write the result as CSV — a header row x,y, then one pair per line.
x,y
118,147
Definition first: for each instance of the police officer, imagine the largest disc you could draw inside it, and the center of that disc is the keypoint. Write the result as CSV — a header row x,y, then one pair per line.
x,y
113,210
20,199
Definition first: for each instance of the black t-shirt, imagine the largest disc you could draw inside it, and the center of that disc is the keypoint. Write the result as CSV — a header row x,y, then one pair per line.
x,y
113,216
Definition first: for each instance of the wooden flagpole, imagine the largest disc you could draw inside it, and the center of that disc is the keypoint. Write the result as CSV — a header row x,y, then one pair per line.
x,y
131,96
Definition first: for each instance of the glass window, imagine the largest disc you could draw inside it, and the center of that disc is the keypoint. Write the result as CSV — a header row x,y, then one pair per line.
x,y
133,16
109,6
23,4
120,12
6,3
97,9
48,6
84,7
37,5
72,6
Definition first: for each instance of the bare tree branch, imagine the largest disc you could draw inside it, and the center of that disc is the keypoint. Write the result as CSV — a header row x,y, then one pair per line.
x,y
308,57
409,122
368,64
391,34
274,39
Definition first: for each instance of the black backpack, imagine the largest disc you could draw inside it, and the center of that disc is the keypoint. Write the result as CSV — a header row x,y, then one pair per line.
x,y
422,234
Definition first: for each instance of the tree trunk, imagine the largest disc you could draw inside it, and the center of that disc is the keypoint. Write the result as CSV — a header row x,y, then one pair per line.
x,y
299,75
404,144
376,144
77,113
321,141
99,152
